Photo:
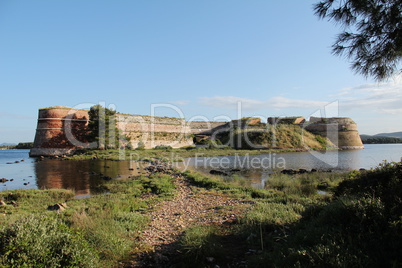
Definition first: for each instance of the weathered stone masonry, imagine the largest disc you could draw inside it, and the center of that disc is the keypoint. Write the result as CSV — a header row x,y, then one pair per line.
x,y
61,130
342,131
51,137
154,131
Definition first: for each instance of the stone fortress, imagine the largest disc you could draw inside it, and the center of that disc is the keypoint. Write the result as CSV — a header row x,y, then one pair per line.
x,y
62,130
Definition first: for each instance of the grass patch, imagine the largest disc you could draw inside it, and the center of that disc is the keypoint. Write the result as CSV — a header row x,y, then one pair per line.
x,y
177,154
273,214
99,231
42,241
198,242
305,185
160,184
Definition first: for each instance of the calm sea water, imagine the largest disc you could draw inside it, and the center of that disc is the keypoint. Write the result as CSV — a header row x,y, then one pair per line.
x,y
371,156
257,168
86,176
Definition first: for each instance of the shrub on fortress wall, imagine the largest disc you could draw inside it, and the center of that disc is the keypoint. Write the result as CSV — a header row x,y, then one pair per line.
x,y
103,130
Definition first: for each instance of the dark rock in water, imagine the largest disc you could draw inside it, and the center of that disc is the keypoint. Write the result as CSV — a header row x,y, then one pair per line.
x,y
9,163
302,171
217,172
158,166
26,183
3,180
16,162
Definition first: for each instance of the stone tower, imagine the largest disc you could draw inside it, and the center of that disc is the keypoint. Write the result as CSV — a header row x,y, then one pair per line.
x,y
342,131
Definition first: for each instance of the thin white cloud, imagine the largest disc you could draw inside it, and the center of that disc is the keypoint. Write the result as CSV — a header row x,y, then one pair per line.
x,y
383,98
343,92
378,97
392,111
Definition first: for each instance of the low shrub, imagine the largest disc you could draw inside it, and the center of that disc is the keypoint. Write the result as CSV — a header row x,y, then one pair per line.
x,y
40,241
140,145
163,147
384,182
361,227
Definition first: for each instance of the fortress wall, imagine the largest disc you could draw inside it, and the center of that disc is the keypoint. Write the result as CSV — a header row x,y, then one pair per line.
x,y
323,127
56,123
286,120
146,119
331,120
154,131
51,137
135,127
205,128
342,132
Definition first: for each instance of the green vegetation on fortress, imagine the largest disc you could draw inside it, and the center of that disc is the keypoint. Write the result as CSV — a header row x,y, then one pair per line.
x,y
356,221
280,136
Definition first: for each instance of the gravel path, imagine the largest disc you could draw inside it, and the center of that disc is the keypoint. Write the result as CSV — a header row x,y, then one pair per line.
x,y
170,218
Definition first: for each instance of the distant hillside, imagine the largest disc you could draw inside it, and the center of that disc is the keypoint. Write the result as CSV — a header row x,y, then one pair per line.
x,y
382,138
391,135
7,144
21,145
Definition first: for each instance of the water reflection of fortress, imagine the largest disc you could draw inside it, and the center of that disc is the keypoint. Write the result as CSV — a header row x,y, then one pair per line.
x,y
61,130
85,176
53,174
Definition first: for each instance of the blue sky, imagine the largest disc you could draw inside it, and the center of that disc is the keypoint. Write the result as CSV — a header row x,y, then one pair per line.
x,y
202,57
